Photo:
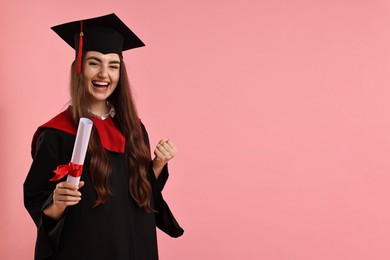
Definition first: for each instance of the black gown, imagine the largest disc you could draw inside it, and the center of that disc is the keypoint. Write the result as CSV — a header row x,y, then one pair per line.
x,y
118,229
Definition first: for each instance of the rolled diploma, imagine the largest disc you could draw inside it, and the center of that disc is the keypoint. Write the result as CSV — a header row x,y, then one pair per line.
x,y
80,146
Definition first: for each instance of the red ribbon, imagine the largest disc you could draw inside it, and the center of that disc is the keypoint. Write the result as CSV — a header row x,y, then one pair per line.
x,y
72,169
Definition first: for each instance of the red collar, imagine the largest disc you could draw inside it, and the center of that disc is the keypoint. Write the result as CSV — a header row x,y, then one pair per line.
x,y
110,136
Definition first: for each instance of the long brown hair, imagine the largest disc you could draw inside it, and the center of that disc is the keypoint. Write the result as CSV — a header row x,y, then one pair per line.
x,y
136,152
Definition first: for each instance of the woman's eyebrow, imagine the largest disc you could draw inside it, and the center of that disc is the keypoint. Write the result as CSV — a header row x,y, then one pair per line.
x,y
99,60
94,58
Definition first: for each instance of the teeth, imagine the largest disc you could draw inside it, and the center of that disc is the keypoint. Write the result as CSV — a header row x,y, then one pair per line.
x,y
102,84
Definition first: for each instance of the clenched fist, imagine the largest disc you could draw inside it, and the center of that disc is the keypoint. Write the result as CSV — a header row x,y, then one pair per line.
x,y
164,152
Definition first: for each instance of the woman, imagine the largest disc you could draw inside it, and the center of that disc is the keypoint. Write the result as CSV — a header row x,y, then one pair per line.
x,y
113,212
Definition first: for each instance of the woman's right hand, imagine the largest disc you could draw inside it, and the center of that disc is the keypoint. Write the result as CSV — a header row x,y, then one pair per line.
x,y
65,194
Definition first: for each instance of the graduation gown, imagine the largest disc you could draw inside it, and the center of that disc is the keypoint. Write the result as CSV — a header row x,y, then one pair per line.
x,y
118,229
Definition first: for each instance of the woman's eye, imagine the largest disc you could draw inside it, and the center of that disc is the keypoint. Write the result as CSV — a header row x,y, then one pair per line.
x,y
93,64
114,67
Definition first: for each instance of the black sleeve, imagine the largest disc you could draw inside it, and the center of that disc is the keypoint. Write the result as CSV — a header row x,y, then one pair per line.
x,y
165,220
38,190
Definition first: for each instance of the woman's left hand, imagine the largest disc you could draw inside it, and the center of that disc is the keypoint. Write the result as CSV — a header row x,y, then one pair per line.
x,y
164,152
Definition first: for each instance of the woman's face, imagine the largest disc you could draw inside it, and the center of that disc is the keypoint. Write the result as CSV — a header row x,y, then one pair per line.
x,y
101,74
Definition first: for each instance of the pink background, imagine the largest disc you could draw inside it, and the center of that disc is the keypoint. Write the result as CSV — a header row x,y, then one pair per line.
x,y
279,109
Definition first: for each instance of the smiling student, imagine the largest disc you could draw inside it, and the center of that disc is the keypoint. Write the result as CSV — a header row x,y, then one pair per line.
x,y
114,211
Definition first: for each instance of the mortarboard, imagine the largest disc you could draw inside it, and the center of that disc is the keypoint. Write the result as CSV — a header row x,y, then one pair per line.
x,y
105,34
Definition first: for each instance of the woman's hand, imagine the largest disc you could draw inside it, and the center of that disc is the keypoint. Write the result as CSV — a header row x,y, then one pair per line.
x,y
65,194
164,152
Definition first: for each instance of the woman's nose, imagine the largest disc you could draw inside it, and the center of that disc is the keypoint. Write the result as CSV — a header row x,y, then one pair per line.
x,y
103,73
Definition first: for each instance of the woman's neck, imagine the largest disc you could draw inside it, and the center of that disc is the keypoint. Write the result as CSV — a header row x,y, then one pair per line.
x,y
99,108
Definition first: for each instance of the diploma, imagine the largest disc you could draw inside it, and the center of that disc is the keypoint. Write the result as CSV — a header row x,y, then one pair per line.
x,y
75,167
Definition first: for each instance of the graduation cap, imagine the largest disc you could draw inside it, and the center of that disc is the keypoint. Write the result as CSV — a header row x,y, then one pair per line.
x,y
105,34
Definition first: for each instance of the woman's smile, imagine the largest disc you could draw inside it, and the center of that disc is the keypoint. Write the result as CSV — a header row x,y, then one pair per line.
x,y
100,84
